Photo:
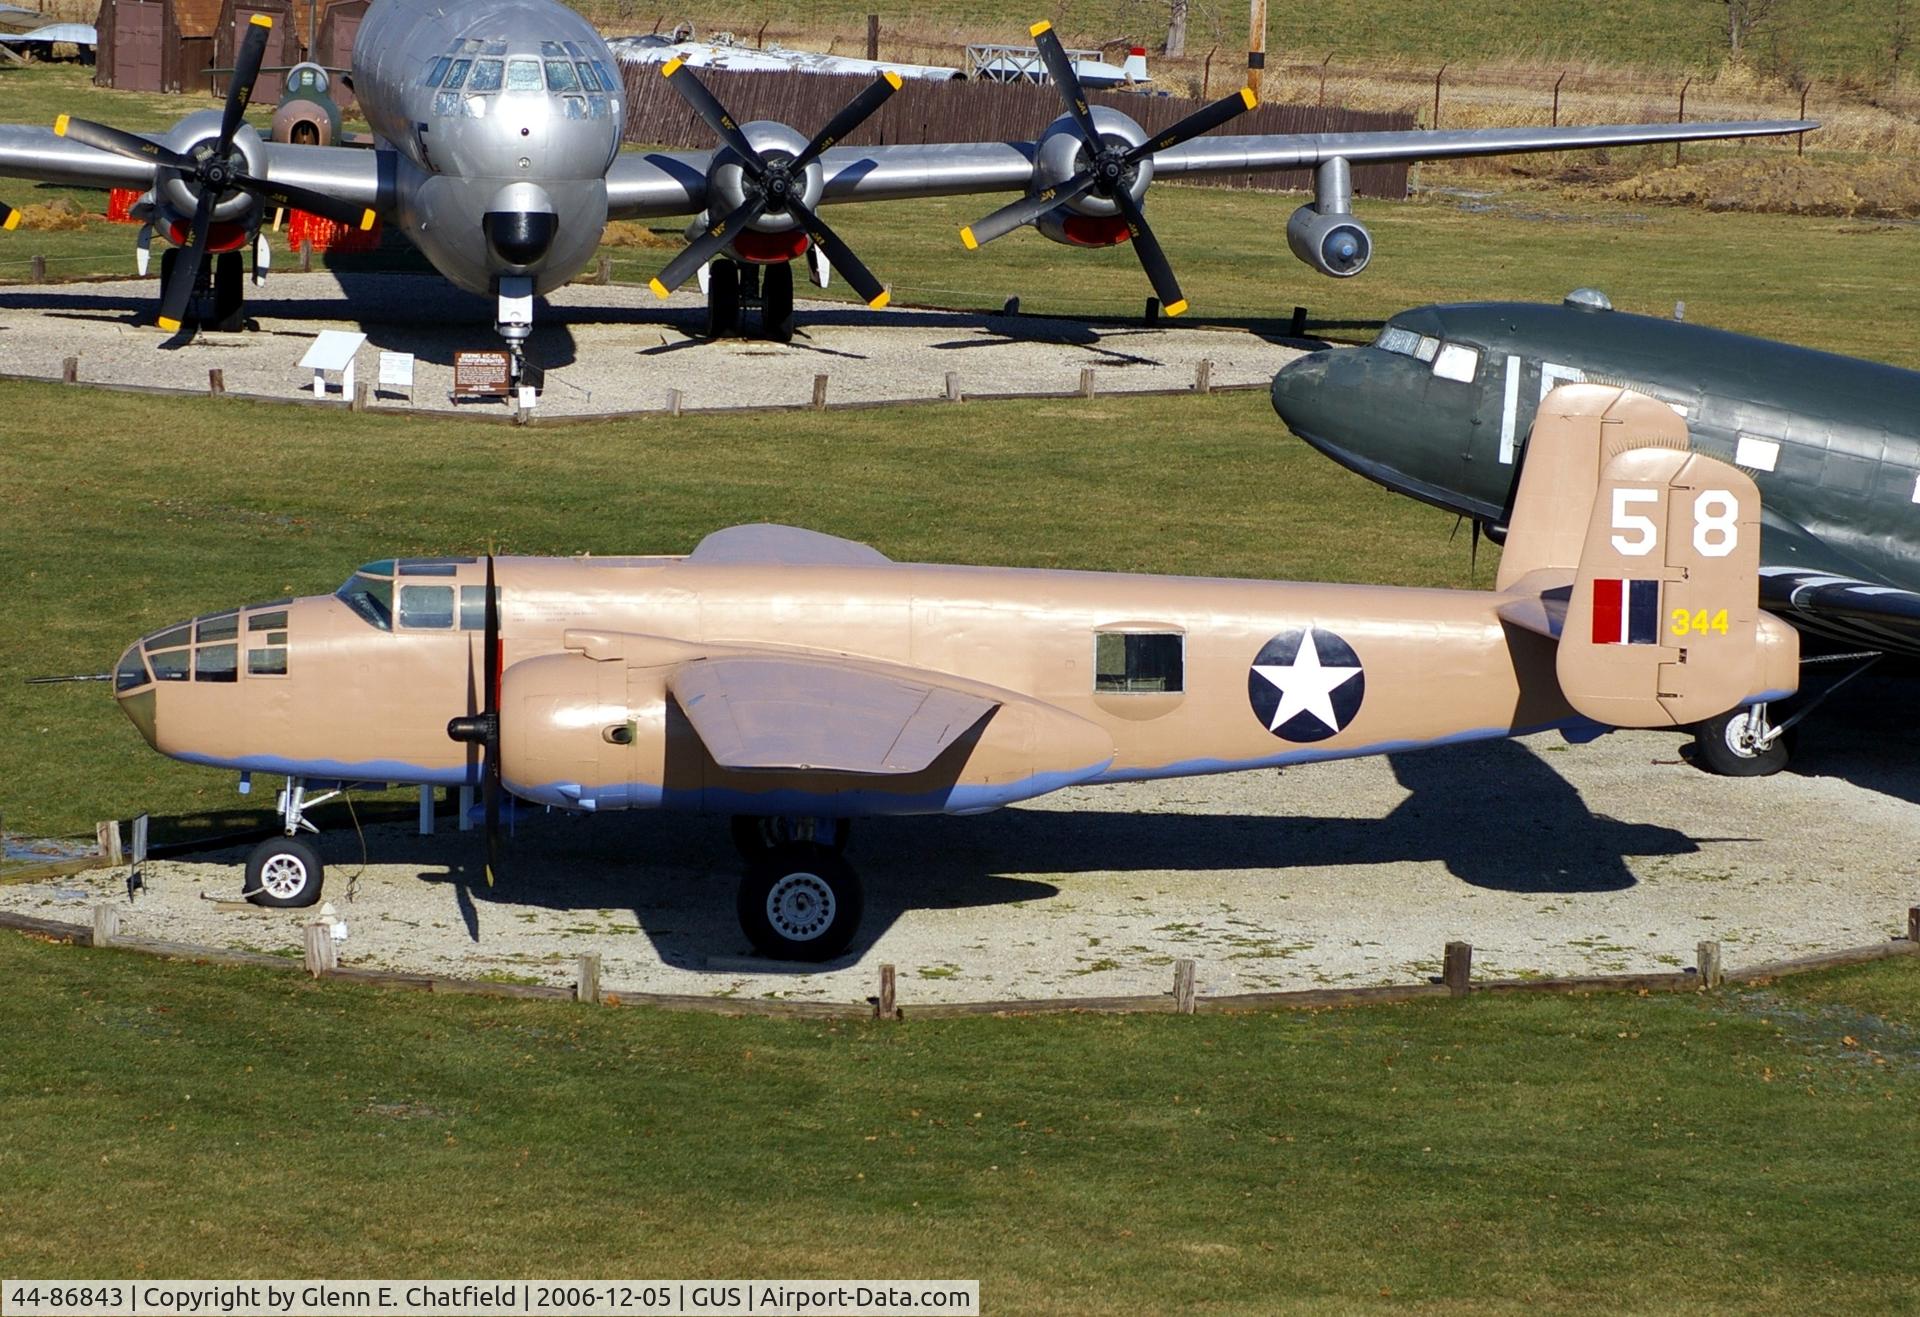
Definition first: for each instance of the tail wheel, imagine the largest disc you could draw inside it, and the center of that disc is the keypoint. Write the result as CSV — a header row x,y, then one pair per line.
x,y
284,873
1735,744
801,901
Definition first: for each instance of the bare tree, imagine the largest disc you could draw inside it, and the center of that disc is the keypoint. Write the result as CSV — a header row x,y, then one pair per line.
x,y
1744,18
1177,30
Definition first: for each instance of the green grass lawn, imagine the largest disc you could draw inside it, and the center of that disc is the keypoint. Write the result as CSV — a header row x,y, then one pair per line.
x,y
1747,1152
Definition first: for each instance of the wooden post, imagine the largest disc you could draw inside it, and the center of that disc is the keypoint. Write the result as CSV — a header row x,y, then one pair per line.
x,y
1683,114
322,955
108,835
1800,139
604,275
884,1007
359,403
1256,43
70,371
873,36
1913,923
1706,957
1457,968
1556,98
673,402
306,256
106,924
216,382
586,982
39,269
1183,990
953,386
819,393
1203,376
1086,382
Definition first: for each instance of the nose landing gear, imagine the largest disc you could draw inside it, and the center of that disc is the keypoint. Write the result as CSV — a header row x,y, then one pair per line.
x,y
286,872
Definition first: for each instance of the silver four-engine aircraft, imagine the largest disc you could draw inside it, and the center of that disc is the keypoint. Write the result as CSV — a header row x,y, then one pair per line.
x,y
498,127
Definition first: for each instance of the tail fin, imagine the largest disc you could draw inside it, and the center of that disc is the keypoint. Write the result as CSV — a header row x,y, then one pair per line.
x,y
1663,624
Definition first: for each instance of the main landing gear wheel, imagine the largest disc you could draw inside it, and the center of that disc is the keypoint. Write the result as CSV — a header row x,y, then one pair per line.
x,y
285,873
723,299
754,834
800,901
1741,743
229,294
776,303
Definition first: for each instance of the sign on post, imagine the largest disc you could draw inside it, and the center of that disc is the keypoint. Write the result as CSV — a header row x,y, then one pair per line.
x,y
487,374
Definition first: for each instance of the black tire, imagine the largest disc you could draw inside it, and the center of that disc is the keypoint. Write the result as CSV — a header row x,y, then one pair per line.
x,y
801,902
756,834
229,293
776,303
168,259
723,299
1718,748
284,873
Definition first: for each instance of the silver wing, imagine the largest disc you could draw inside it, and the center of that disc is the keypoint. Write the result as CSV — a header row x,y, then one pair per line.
x,y
350,174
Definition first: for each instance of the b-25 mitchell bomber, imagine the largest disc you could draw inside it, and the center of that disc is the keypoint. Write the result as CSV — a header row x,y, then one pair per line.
x,y
1440,405
797,681
499,123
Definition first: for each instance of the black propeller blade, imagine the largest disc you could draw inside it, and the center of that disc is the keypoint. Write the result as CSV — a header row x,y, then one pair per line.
x,y
482,729
775,183
215,171
1111,170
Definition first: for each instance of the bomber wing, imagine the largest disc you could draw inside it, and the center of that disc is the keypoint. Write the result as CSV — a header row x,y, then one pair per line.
x,y
352,175
797,713
1843,607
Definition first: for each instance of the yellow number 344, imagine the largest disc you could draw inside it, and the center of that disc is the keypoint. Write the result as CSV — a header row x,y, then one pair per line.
x,y
1685,623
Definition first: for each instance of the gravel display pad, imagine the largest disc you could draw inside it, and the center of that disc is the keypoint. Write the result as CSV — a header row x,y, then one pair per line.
x,y
1549,858
608,349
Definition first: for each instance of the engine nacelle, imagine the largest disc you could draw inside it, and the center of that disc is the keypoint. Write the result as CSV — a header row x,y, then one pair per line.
x,y
1060,154
574,736
1337,245
726,177
178,198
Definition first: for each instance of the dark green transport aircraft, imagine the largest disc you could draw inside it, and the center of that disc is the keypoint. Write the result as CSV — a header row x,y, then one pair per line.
x,y
1440,404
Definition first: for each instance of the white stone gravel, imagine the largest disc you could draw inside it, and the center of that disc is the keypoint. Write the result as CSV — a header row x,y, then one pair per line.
x,y
1548,858
608,349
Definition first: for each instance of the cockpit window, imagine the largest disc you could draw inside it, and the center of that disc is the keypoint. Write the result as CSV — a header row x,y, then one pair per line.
x,y
607,79
171,665
430,566
486,75
224,627
524,75
180,635
1456,361
1407,343
370,597
216,663
274,621
457,75
438,71
561,77
588,78
551,48
131,672
424,606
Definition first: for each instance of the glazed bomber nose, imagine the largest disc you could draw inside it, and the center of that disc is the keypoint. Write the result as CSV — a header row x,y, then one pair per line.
x,y
520,238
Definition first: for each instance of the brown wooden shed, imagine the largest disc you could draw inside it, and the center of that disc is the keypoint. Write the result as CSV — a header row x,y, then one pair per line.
x,y
333,42
155,45
284,43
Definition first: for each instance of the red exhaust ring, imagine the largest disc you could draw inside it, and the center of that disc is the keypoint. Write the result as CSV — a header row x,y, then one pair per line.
x,y
771,248
222,236
1094,230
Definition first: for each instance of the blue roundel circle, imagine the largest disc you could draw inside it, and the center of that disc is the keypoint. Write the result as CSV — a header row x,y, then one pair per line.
x,y
1306,684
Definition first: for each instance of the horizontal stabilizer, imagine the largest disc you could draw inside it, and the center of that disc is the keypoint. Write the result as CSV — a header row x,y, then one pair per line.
x,y
797,713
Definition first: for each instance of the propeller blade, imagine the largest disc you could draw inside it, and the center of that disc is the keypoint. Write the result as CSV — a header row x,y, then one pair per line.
x,y
490,768
840,256
711,112
851,116
178,293
113,140
1025,211
246,71
293,197
705,247
1152,259
1205,119
9,217
1060,69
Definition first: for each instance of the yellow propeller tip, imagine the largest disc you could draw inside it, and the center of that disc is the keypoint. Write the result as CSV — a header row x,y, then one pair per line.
x,y
880,301
1042,26
13,220
261,20
60,126
671,67
169,325
367,218
660,290
1175,308
893,79
966,236
1246,94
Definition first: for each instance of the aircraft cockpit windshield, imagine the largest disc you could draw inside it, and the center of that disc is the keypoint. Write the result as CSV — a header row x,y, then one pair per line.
x,y
1451,361
416,591
473,70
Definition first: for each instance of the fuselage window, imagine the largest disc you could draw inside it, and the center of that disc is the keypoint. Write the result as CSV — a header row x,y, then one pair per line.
x,y
486,75
171,665
1136,662
430,566
216,663
426,606
370,597
524,75
274,621
457,75
224,627
131,672
1457,362
561,77
267,662
168,639
439,71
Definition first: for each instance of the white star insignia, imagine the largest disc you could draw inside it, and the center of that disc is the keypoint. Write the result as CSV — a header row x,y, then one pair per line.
x,y
1305,686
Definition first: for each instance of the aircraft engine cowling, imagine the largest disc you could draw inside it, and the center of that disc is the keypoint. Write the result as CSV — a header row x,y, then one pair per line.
x,y
1060,154
571,735
1337,245
726,184
198,131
